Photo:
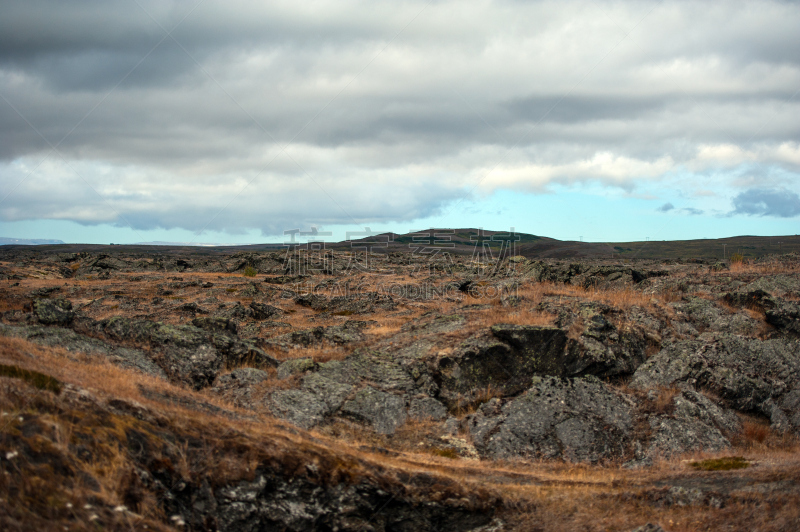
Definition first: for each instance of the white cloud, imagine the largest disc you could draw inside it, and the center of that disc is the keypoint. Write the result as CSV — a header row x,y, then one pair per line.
x,y
603,167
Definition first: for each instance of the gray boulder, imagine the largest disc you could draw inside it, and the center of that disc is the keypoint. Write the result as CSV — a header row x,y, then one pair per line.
x,y
317,398
348,332
696,424
601,349
223,325
423,407
385,412
580,420
381,370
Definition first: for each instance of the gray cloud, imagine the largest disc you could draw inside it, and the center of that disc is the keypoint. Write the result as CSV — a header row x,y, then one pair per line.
x,y
692,211
666,207
394,109
767,202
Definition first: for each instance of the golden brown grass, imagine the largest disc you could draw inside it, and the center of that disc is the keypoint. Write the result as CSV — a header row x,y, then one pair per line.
x,y
544,495
769,268
621,298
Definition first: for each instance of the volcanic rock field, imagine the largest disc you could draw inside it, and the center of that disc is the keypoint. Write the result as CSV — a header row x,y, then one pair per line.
x,y
333,390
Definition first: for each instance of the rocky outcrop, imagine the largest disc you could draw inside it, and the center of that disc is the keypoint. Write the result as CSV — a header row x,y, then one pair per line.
x,y
695,423
299,504
263,311
369,387
506,367
317,398
383,411
53,311
705,315
185,352
750,375
602,349
781,314
350,331
576,419
348,305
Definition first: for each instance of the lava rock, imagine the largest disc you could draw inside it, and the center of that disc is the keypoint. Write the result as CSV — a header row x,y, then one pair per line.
x,y
317,398
750,375
385,412
580,420
53,311
264,312
696,424
223,325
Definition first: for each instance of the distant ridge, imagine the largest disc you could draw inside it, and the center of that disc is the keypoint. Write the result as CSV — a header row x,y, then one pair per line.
x,y
469,241
27,241
193,244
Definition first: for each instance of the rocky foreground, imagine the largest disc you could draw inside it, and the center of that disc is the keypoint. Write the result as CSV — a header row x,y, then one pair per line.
x,y
337,391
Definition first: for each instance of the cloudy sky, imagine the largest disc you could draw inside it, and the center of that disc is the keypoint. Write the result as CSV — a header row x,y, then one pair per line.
x,y
208,121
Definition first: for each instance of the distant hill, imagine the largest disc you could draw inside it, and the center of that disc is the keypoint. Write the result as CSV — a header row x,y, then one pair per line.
x,y
27,241
468,241
464,241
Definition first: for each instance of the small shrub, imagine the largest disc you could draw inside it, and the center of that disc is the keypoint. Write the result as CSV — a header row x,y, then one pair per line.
x,y
665,402
249,271
755,432
230,290
737,258
725,463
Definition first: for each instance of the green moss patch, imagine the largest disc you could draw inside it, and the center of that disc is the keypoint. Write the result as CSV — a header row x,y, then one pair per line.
x,y
446,453
39,380
721,464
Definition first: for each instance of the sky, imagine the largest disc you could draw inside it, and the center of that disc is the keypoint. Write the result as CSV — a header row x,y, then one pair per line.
x,y
231,122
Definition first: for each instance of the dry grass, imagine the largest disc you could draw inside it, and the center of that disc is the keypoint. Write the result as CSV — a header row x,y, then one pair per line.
x,y
621,298
770,268
535,495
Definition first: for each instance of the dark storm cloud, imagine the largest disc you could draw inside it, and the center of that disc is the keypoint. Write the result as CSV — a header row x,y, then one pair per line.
x,y
767,202
414,101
